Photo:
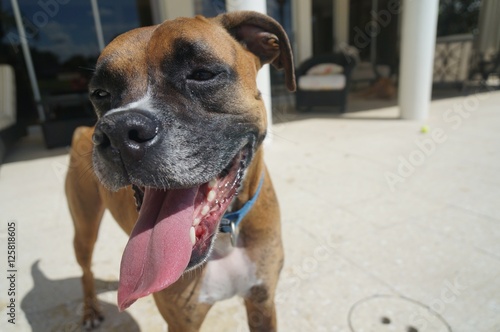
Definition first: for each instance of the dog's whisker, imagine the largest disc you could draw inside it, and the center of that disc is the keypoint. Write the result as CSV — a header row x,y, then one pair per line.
x,y
274,134
161,183
88,69
87,172
86,154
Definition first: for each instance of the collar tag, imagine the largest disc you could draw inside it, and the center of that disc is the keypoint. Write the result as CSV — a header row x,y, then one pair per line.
x,y
229,226
230,221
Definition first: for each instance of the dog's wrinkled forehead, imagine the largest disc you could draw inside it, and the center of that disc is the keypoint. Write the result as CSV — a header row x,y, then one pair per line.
x,y
191,37
136,59
117,64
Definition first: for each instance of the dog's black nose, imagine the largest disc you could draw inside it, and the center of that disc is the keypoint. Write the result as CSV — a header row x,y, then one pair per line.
x,y
129,132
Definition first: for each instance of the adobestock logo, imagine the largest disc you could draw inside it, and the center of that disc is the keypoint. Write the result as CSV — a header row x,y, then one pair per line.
x,y
48,10
380,19
407,165
455,116
450,292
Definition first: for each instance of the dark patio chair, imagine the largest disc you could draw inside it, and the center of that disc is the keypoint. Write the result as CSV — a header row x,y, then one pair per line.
x,y
324,90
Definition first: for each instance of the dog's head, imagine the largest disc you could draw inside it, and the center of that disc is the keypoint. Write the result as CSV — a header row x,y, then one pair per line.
x,y
180,118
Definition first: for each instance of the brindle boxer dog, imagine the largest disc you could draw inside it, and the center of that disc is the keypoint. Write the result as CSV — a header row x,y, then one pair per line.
x,y
178,145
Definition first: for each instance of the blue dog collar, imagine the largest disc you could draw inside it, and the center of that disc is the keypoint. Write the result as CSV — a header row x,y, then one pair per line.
x,y
230,221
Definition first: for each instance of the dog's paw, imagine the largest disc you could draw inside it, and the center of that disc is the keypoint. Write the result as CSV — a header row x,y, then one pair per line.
x,y
92,318
91,323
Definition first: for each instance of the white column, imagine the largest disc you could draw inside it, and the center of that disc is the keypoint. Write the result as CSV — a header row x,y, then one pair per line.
x,y
170,9
418,41
302,30
264,76
341,21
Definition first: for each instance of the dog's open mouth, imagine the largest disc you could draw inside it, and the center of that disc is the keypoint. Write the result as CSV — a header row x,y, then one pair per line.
x,y
174,232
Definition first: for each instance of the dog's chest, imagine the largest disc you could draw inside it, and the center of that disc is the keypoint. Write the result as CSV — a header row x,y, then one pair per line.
x,y
229,272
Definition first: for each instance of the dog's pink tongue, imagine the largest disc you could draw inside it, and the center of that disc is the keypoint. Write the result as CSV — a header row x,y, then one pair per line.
x,y
159,247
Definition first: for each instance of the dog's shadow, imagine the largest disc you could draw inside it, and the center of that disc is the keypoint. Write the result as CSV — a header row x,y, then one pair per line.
x,y
56,305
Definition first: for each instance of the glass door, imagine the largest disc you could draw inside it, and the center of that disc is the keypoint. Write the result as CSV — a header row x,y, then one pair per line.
x,y
63,40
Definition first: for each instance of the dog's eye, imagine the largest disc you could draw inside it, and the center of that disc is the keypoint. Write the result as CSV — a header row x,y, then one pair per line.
x,y
201,75
100,94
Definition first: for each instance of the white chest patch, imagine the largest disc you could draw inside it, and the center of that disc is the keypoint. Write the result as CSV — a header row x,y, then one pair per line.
x,y
229,272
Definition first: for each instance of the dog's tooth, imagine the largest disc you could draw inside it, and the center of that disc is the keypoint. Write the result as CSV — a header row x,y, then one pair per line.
x,y
196,221
205,210
211,196
212,183
192,235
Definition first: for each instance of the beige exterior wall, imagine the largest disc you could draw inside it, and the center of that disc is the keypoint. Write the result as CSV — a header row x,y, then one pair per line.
x,y
170,9
341,21
302,29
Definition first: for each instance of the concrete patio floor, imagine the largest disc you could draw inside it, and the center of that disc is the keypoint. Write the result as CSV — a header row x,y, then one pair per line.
x,y
385,228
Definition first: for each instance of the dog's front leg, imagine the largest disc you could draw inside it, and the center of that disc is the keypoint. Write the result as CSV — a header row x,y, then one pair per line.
x,y
86,208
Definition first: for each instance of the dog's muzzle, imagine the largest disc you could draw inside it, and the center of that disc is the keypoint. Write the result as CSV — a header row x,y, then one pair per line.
x,y
130,134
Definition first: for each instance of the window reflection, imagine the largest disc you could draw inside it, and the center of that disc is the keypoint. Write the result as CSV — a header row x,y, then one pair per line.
x,y
63,43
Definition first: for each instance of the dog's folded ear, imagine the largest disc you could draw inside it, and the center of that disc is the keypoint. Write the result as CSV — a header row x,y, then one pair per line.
x,y
264,37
